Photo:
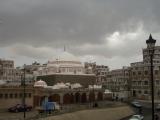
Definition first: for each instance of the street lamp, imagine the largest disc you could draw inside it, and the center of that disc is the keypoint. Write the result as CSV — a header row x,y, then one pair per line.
x,y
24,91
150,46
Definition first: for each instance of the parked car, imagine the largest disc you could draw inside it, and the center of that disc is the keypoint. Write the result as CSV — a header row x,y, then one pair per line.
x,y
158,107
136,104
20,108
136,117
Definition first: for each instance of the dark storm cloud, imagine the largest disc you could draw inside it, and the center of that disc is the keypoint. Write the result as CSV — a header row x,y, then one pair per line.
x,y
78,24
40,22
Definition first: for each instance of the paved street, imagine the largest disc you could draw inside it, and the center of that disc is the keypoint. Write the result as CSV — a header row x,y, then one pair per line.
x,y
65,109
16,116
146,111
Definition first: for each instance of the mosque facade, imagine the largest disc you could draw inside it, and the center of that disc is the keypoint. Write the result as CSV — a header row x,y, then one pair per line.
x,y
65,68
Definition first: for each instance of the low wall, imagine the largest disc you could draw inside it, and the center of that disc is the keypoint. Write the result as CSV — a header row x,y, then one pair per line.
x,y
95,114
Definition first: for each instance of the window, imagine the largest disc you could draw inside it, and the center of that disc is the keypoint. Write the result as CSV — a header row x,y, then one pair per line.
x,y
145,82
11,95
29,95
139,72
6,96
20,95
139,82
156,72
145,92
134,73
15,95
146,72
157,82
1,95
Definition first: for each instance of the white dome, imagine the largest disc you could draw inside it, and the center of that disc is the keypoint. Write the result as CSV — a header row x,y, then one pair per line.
x,y
64,60
40,83
60,86
76,85
65,56
95,86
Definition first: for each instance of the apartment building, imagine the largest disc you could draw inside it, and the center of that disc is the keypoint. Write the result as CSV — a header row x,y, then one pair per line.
x,y
118,82
7,71
141,82
99,70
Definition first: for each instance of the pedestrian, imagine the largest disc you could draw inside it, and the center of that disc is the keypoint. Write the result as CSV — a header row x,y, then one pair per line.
x,y
116,98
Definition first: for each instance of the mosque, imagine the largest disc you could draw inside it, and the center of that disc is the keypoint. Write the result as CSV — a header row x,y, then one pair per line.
x,y
65,68
62,80
65,81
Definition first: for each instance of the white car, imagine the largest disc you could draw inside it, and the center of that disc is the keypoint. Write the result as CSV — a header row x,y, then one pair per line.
x,y
136,117
158,107
136,104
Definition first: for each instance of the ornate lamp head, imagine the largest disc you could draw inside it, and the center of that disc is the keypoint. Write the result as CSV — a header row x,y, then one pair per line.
x,y
150,44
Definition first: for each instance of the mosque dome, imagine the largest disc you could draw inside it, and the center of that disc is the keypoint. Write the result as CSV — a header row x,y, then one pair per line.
x,y
60,86
65,59
66,63
65,56
40,83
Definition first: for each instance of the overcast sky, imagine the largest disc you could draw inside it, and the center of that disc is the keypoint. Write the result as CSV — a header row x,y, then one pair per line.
x,y
109,32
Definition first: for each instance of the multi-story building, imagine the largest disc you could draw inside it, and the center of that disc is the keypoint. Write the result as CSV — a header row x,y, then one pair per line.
x,y
101,72
7,71
141,82
118,82
90,67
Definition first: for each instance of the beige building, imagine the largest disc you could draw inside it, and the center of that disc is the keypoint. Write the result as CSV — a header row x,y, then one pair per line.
x,y
118,81
62,94
37,94
136,78
8,73
90,67
12,95
99,70
141,83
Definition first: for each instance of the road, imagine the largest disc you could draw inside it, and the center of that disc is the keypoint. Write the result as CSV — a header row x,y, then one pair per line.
x,y
146,111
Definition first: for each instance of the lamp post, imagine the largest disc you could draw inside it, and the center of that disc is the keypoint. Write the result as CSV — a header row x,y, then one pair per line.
x,y
150,46
24,91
